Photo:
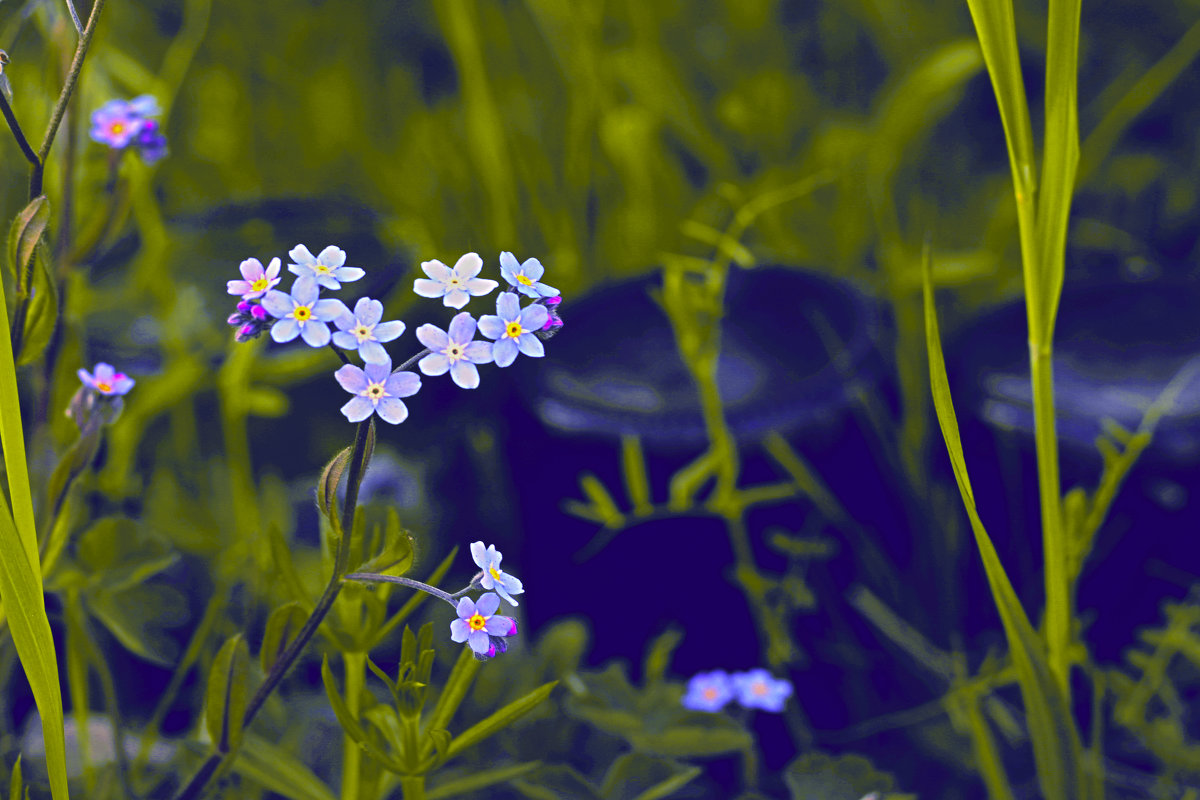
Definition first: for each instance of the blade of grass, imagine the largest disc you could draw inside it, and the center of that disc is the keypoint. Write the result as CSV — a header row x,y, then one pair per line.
x,y
1055,740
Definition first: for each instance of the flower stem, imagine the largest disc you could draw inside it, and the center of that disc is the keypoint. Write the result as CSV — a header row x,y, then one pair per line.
x,y
356,665
409,582
412,360
18,134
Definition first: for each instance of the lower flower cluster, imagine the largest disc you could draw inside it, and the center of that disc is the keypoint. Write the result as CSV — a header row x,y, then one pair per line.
x,y
378,388
712,691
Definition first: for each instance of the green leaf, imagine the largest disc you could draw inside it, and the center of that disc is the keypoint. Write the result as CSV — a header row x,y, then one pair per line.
x,y
658,657
41,318
453,692
818,776
282,626
137,616
556,782
1056,745
500,719
643,777
225,706
281,557
16,783
633,466
278,771
330,478
697,734
477,780
26,231
351,725
21,574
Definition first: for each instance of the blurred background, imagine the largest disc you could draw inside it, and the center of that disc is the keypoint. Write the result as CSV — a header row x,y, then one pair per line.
x,y
784,161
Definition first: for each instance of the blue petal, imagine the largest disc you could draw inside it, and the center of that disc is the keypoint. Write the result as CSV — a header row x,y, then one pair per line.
x,y
346,341
487,604
462,328
530,345
478,352
479,642
351,378
428,288
464,374
358,409
392,409
459,631
278,304
387,331
534,316
315,334
371,352
533,269
504,352
507,306
478,554
348,274
403,384
434,364
433,337
491,326
285,330
456,298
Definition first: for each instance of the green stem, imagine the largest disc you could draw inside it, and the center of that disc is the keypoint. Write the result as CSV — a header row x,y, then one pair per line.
x,y
356,665
413,787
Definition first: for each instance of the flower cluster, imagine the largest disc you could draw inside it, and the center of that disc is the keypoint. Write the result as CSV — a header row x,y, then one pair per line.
x,y
711,691
121,124
484,631
301,313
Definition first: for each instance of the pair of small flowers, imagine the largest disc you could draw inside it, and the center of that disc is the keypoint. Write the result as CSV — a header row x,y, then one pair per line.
x,y
478,624
711,691
121,124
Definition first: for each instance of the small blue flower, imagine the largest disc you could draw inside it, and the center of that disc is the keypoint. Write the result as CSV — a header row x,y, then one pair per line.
x,y
377,390
757,689
106,380
364,331
256,280
454,286
493,577
513,329
525,277
708,691
478,622
302,314
454,351
326,268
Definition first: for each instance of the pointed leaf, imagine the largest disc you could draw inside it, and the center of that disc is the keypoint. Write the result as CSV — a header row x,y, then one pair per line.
x,y
477,780
282,626
275,769
330,478
26,231
499,720
225,705
16,783
350,725
453,692
651,778
42,316
659,656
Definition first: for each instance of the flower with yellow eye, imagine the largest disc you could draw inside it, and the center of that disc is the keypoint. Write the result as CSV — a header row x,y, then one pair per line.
x,y
106,380
454,351
477,622
326,269
257,281
757,689
513,328
455,286
363,331
118,122
708,691
377,390
492,577
302,314
525,277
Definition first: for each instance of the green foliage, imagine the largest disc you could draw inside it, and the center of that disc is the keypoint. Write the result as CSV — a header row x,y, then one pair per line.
x,y
225,703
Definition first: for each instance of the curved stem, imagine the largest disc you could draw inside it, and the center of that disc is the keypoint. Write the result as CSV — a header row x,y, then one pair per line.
x,y
412,360
18,134
409,582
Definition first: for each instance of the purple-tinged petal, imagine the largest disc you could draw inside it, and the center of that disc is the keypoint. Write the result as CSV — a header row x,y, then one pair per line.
x,y
380,371
122,383
278,304
468,266
432,337
507,306
478,555
479,352
491,326
428,288
436,270
504,351
462,328
369,352
392,410
387,331
403,384
534,316
305,291
480,642
465,608
533,269
368,311
251,269
497,626
302,256
464,374
345,340
480,286
285,330
315,333
351,378
349,274
358,408
434,364
332,256
459,630
329,309
487,604
530,345
456,298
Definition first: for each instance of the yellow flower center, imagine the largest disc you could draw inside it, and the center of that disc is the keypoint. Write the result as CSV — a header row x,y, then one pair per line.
x,y
104,387
476,622
496,574
322,269
454,352
117,127
524,280
759,688
303,313
454,281
513,330
362,332
376,391
259,284
710,693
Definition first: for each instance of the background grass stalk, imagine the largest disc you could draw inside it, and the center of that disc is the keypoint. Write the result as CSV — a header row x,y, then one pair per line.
x,y
356,665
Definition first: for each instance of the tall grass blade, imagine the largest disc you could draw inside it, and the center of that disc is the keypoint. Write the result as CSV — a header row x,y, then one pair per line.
x,y
1056,746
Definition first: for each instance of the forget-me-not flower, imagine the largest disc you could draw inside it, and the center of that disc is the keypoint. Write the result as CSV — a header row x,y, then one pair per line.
x,y
256,281
757,689
454,351
363,331
455,286
525,277
493,577
150,142
327,268
513,329
118,122
477,622
106,380
708,691
302,314
377,390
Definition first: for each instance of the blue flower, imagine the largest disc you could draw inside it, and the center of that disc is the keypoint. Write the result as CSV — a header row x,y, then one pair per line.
x,y
493,577
454,352
525,277
326,268
454,286
377,390
478,622
708,691
302,314
757,689
117,123
106,380
364,331
513,329
257,281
